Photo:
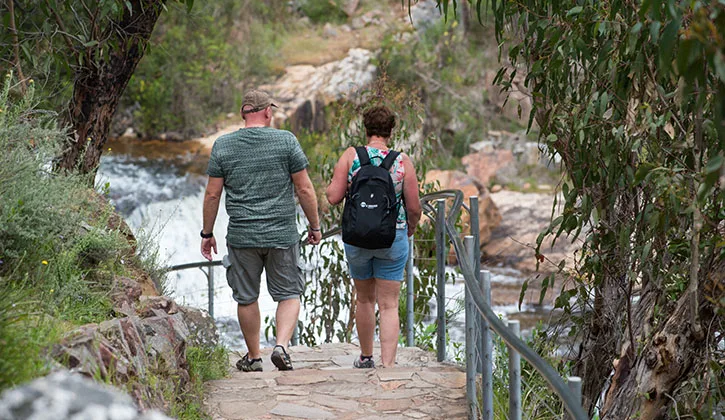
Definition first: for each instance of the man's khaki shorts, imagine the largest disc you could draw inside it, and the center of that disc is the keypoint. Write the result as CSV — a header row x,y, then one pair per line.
x,y
284,276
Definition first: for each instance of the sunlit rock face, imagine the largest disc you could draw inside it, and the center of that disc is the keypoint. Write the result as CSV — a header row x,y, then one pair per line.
x,y
488,214
151,340
69,396
303,92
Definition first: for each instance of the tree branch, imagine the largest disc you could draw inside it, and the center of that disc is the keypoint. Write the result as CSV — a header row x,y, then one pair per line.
x,y
60,24
16,45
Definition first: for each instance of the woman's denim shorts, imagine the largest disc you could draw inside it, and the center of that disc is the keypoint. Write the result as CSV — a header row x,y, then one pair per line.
x,y
385,264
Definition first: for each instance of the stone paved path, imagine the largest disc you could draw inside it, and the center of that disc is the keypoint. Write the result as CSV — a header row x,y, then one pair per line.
x,y
325,386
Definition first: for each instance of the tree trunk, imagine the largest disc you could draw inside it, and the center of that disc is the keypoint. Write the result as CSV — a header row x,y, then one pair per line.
x,y
645,382
99,84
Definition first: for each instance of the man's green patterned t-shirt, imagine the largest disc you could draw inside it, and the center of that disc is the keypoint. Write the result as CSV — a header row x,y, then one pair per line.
x,y
257,164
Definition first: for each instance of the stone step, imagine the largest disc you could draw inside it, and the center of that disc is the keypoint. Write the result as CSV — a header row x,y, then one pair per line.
x,y
325,386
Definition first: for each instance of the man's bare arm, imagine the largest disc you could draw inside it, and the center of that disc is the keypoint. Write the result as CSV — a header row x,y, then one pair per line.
x,y
211,206
308,199
212,196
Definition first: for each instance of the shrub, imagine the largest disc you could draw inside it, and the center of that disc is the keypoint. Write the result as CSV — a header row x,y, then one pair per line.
x,y
320,11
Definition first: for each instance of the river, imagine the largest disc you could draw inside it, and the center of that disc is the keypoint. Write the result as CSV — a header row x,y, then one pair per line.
x,y
158,188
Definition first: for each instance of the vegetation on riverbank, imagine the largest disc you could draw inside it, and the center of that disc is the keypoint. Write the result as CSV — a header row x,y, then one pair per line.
x,y
61,246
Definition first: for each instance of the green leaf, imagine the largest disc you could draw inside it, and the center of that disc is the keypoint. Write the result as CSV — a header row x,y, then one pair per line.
x,y
718,61
684,55
524,287
669,35
714,164
654,30
544,288
574,11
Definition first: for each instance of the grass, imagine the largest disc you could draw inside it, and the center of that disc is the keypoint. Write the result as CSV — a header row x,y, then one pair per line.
x,y
205,364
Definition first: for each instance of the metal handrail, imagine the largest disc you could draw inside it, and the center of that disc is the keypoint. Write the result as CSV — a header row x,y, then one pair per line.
x,y
470,280
550,375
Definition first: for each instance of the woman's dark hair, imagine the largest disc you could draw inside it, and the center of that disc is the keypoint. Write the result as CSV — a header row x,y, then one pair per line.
x,y
379,121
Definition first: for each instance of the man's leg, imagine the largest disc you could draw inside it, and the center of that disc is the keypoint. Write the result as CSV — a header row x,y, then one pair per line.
x,y
287,313
365,314
244,276
249,321
388,292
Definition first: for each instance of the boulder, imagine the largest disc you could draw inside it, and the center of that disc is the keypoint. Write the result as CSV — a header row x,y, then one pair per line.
x,y
483,165
512,243
488,215
423,14
64,395
304,91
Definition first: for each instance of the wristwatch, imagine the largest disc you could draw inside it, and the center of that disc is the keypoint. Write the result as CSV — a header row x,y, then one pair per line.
x,y
206,235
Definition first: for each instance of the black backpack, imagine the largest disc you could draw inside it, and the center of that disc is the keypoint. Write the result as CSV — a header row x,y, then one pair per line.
x,y
371,209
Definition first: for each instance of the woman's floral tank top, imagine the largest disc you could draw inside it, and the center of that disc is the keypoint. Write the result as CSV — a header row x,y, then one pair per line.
x,y
397,172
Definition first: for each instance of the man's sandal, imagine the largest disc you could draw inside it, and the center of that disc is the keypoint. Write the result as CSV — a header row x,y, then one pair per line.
x,y
281,359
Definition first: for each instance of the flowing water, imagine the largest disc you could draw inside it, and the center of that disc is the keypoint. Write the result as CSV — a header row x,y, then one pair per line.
x,y
158,188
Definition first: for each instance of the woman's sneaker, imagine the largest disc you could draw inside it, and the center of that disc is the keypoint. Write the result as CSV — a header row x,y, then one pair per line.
x,y
364,362
245,364
281,359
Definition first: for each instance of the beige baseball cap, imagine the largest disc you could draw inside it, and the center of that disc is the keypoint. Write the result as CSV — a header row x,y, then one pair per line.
x,y
255,101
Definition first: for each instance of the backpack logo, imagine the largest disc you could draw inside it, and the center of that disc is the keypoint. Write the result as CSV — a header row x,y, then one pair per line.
x,y
368,206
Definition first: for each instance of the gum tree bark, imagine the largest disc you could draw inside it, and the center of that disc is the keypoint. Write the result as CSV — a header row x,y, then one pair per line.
x,y
100,82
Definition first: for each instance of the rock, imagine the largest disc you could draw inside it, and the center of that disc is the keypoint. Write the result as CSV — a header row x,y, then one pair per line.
x,y
357,23
328,31
488,215
484,165
496,188
172,136
350,6
153,342
124,291
156,306
345,28
64,395
202,330
486,146
129,133
524,215
303,92
424,14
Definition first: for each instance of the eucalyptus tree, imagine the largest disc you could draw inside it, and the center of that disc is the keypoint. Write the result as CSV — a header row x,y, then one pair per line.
x,y
93,46
631,96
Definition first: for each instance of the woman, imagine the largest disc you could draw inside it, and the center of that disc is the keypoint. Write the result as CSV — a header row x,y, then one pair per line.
x,y
378,273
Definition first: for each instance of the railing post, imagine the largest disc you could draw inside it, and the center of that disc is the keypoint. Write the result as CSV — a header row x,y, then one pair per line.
x,y
470,322
575,385
475,232
441,276
210,287
514,375
486,352
410,307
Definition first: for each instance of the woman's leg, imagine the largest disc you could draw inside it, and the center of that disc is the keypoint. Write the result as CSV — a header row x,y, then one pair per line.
x,y
388,292
365,314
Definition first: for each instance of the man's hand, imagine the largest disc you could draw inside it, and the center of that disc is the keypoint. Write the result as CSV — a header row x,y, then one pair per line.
x,y
207,245
314,237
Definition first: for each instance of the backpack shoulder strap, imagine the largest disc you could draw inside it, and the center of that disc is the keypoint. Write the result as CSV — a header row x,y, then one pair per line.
x,y
389,159
362,155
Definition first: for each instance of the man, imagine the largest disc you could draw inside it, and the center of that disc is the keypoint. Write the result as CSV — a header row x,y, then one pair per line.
x,y
260,167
